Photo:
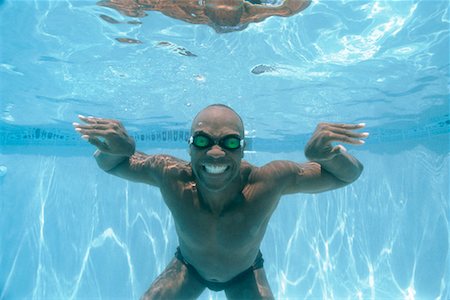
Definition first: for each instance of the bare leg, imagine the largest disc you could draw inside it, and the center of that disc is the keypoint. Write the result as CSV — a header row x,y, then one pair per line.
x,y
175,282
252,286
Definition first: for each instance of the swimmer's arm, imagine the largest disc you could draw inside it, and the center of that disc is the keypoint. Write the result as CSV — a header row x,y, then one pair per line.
x,y
107,162
314,177
332,158
138,167
330,166
137,8
291,177
130,5
257,13
129,8
116,151
343,167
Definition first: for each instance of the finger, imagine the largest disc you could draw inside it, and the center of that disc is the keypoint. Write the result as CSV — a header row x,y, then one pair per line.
x,y
93,126
343,138
93,120
102,146
348,133
345,126
92,132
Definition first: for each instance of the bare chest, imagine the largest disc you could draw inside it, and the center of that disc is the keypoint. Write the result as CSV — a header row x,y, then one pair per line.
x,y
240,225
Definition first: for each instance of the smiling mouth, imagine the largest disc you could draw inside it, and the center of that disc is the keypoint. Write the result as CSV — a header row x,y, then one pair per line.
x,y
215,169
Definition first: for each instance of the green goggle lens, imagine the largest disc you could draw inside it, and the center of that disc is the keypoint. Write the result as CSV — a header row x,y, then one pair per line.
x,y
201,141
231,143
227,142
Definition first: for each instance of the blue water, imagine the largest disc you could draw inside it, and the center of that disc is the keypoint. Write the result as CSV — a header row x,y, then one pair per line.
x,y
70,231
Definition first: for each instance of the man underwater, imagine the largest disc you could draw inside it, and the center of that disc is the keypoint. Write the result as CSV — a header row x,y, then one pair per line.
x,y
221,204
222,15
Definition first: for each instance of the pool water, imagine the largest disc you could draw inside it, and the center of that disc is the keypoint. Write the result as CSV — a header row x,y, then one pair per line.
x,y
70,231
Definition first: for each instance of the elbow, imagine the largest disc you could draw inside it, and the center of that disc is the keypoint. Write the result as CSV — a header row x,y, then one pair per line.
x,y
105,166
112,168
360,169
108,163
354,174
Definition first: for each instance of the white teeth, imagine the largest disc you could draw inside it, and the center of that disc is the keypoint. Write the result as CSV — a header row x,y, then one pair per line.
x,y
215,169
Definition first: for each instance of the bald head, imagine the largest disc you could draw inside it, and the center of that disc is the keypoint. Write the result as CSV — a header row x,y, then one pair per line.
x,y
218,115
224,12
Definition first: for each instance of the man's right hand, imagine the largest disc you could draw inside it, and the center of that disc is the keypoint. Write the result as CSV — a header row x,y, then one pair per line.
x,y
109,136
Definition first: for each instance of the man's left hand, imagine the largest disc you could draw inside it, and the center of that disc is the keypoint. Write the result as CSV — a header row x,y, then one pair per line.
x,y
320,148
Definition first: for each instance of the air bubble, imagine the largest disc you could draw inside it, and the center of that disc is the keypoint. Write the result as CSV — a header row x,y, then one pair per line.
x,y
3,170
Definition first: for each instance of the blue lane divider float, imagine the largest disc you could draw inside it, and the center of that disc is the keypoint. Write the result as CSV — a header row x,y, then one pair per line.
x,y
63,136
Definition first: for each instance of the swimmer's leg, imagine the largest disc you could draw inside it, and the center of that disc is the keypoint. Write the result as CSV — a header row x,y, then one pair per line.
x,y
175,282
253,285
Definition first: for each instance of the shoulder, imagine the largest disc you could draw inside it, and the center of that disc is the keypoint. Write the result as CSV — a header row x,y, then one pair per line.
x,y
176,169
273,178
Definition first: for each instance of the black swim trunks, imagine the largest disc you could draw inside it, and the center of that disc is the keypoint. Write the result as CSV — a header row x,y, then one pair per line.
x,y
220,286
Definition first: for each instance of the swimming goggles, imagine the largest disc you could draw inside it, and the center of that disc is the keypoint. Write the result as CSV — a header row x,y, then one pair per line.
x,y
228,142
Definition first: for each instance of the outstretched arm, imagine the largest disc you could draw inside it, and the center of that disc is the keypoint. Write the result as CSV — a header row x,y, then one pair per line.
x,y
257,13
186,10
116,151
130,8
330,167
335,159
